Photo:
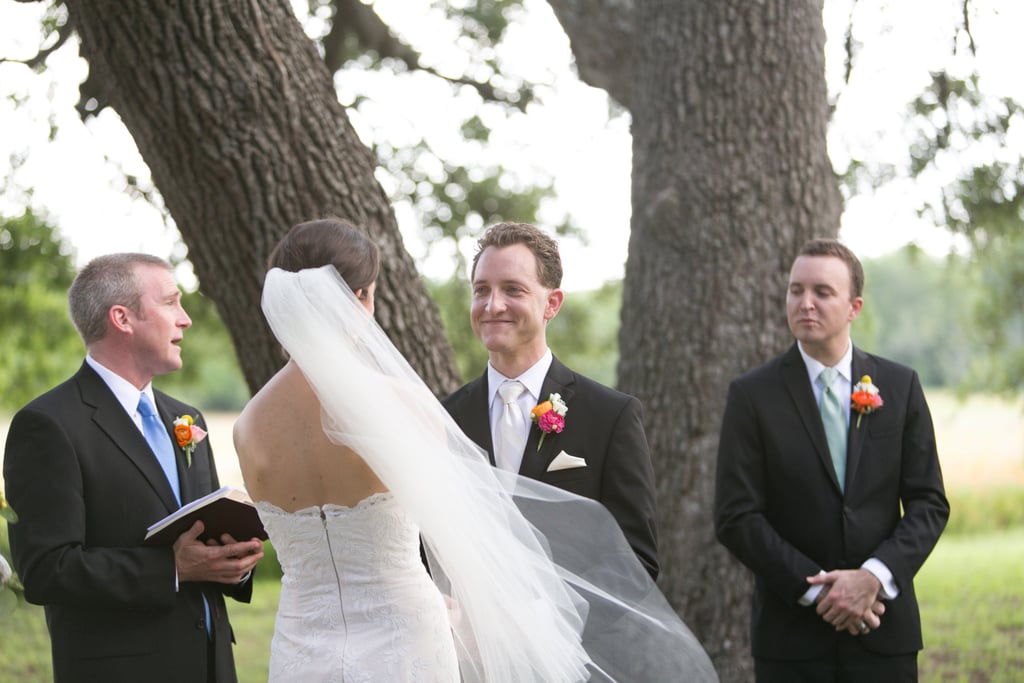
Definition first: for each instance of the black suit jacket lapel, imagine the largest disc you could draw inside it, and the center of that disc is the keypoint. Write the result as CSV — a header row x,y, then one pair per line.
x,y
798,384
863,364
559,380
109,416
473,414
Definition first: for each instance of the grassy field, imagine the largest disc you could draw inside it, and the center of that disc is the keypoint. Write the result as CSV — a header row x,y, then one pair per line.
x,y
970,588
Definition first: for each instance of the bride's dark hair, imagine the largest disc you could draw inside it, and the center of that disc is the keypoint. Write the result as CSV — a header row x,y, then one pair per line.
x,y
329,241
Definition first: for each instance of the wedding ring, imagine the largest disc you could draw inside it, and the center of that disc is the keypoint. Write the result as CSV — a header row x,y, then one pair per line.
x,y
863,628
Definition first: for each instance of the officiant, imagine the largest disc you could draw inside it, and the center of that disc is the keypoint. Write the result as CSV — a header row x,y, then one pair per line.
x,y
93,462
535,416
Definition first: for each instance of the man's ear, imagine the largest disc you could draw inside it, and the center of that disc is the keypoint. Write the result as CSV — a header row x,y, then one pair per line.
x,y
856,304
120,318
554,304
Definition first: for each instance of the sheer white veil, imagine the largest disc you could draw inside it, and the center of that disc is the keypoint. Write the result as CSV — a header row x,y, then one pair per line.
x,y
543,585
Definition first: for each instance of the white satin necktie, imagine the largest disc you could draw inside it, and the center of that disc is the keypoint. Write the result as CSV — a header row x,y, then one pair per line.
x,y
512,428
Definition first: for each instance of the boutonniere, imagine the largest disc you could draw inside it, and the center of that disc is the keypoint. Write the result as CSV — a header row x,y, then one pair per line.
x,y
865,398
188,435
549,416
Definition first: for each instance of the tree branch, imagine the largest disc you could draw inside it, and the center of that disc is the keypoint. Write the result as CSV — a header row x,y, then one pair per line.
x,y
355,29
602,36
967,28
63,33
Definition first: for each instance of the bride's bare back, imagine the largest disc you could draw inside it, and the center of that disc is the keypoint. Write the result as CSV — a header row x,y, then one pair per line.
x,y
285,457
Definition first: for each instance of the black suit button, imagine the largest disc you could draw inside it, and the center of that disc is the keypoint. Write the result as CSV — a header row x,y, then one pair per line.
x,y
201,625
847,511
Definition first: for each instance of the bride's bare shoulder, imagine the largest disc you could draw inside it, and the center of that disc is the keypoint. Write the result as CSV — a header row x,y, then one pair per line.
x,y
284,399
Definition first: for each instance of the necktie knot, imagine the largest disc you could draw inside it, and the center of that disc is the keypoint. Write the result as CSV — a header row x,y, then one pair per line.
x,y
827,376
146,408
511,391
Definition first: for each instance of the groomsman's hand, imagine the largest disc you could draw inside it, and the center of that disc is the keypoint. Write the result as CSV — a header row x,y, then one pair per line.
x,y
227,563
850,600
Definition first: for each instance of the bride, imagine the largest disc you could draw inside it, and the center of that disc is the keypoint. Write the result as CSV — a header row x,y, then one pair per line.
x,y
352,462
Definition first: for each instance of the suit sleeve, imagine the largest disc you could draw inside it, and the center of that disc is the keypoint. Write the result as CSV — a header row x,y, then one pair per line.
x,y
57,562
741,524
921,491
627,488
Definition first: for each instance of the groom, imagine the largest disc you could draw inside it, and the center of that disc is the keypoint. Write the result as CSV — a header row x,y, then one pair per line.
x,y
597,448
83,468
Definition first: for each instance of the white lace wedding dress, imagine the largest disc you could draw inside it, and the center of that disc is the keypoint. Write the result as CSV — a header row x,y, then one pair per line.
x,y
356,604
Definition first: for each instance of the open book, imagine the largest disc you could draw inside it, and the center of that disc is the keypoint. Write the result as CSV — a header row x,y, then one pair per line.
x,y
227,510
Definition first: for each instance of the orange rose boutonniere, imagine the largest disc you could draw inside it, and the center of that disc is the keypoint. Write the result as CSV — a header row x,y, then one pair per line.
x,y
188,435
865,398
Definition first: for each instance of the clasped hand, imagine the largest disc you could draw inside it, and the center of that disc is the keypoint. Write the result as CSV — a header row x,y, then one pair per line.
x,y
849,600
228,561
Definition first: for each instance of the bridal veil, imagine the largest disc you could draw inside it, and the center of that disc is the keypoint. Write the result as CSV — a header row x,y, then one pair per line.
x,y
541,583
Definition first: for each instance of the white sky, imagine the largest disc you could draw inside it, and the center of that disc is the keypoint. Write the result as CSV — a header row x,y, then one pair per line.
x,y
568,137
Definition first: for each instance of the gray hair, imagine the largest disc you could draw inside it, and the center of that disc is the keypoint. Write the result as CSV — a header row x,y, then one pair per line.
x,y
104,282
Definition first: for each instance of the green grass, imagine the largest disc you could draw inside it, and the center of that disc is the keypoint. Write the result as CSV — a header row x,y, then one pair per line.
x,y
25,644
971,605
975,512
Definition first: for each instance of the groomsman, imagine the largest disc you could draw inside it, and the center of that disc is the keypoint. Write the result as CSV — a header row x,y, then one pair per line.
x,y
91,464
829,490
589,439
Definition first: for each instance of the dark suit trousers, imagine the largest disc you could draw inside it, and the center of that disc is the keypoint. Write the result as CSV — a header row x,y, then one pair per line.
x,y
852,663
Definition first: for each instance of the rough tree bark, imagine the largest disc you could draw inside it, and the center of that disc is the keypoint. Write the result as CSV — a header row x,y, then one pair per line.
x,y
730,176
235,113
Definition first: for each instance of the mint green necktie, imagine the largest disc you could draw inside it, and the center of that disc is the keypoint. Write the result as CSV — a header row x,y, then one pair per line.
x,y
833,417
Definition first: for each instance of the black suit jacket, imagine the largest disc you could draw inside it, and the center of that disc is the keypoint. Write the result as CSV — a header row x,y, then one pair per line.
x,y
86,486
779,509
603,426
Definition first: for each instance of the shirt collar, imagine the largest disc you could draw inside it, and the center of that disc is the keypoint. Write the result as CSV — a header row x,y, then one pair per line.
x,y
124,391
844,366
532,379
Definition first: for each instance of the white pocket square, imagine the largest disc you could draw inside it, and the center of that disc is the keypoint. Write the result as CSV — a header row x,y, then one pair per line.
x,y
564,461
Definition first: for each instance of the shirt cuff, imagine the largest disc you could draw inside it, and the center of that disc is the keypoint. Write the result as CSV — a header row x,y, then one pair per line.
x,y
890,591
808,598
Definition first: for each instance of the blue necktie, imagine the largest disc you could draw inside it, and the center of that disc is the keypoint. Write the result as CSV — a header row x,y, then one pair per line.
x,y
160,443
833,417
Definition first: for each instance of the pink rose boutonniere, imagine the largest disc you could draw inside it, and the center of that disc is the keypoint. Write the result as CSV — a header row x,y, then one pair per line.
x,y
188,435
865,398
549,416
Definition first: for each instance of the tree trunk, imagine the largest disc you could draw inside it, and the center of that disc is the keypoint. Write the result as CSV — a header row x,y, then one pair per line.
x,y
730,177
235,113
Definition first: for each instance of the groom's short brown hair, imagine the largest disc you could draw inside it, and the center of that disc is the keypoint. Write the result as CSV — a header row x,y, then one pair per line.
x,y
542,246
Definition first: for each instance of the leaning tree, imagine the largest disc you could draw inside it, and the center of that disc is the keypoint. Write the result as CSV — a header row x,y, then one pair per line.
x,y
233,109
